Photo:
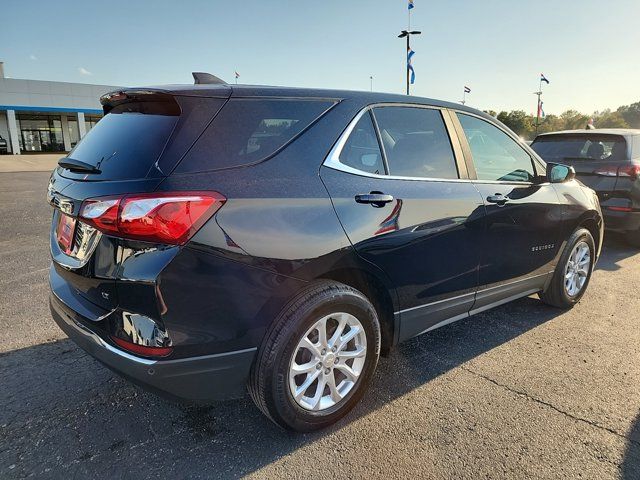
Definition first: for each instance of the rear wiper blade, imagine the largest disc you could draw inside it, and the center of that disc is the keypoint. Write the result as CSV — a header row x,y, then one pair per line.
x,y
74,165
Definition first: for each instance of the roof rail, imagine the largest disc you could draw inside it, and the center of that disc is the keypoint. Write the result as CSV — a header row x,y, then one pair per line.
x,y
204,77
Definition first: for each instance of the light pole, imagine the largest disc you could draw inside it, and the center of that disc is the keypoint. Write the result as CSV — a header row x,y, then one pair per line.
x,y
408,33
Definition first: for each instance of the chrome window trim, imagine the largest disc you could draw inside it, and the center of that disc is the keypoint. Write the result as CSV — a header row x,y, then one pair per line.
x,y
333,158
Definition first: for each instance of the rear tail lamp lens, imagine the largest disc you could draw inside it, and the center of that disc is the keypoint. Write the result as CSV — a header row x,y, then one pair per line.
x,y
142,350
630,171
168,217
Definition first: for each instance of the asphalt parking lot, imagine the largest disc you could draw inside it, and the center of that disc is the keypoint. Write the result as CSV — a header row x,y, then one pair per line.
x,y
523,391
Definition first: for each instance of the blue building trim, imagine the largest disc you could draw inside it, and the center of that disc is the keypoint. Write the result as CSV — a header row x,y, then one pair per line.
x,y
23,108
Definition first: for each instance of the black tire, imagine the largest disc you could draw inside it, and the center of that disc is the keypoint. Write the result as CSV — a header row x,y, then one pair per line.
x,y
269,379
555,294
633,238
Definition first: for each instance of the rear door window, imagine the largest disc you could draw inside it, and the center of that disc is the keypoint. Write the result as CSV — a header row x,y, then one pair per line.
x,y
126,142
362,151
559,148
416,142
247,131
496,155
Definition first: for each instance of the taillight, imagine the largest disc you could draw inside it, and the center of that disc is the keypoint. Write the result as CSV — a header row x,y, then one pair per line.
x,y
142,350
166,217
631,171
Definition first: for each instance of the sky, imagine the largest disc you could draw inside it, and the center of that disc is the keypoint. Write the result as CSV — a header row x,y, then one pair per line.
x,y
498,48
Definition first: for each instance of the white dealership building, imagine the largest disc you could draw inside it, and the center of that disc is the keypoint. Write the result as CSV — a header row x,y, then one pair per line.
x,y
42,116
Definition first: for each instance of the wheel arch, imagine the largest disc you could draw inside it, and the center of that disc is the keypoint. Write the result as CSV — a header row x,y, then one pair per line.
x,y
378,293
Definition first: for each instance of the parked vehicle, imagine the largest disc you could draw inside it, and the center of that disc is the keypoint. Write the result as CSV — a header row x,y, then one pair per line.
x,y
210,237
608,161
4,148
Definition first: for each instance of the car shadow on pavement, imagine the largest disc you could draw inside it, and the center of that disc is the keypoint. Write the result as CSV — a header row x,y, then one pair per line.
x,y
631,461
615,249
65,415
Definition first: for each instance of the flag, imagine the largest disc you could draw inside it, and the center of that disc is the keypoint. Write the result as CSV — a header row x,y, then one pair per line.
x,y
410,4
544,79
467,89
410,54
540,110
237,74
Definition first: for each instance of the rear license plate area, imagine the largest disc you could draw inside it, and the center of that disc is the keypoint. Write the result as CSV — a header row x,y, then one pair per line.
x,y
64,232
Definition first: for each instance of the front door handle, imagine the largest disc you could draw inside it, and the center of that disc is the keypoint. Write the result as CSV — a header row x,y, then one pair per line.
x,y
498,199
376,199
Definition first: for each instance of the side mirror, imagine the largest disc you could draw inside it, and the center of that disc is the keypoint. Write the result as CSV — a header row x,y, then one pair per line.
x,y
558,173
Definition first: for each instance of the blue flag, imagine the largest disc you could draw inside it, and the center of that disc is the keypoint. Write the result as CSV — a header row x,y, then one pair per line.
x,y
410,54
410,4
544,79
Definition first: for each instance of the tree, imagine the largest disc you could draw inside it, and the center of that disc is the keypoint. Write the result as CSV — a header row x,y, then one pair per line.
x,y
631,114
518,121
609,119
572,120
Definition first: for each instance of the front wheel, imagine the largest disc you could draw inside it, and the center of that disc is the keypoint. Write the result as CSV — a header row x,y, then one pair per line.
x,y
573,271
318,357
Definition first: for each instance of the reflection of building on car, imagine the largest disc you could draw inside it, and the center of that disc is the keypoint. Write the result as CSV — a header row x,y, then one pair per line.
x,y
607,160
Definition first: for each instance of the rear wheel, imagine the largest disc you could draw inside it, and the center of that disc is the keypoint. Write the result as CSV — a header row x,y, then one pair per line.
x,y
317,358
573,271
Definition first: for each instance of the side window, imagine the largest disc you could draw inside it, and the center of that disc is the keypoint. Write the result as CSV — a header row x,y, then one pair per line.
x,y
362,151
496,155
416,142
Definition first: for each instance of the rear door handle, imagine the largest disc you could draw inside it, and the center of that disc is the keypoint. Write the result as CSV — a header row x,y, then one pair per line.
x,y
377,199
498,199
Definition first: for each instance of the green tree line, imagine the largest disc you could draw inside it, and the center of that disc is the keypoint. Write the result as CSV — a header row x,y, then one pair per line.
x,y
524,125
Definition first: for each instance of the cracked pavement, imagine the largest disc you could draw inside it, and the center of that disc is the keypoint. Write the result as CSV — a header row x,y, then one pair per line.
x,y
523,391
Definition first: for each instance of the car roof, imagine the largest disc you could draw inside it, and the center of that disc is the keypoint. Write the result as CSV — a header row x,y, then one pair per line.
x,y
226,90
625,132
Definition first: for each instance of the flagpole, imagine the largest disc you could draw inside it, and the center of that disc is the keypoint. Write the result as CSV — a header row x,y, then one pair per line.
x,y
464,96
538,93
408,45
407,33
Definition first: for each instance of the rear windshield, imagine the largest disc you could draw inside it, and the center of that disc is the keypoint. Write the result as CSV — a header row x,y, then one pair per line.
x,y
125,143
249,130
558,148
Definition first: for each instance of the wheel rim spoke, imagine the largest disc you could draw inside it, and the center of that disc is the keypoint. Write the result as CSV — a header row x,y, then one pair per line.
x,y
312,347
347,371
304,368
300,391
357,353
343,341
327,362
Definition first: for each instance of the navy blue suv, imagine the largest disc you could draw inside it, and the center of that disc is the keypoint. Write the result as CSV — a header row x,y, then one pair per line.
x,y
212,238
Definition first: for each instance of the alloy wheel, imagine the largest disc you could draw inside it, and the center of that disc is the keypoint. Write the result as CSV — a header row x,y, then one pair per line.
x,y
577,269
327,361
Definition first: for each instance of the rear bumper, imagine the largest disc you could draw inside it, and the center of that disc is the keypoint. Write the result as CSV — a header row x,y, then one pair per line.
x,y
200,379
620,221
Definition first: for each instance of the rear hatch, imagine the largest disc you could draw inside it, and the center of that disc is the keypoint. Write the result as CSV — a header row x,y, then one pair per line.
x,y
141,138
596,157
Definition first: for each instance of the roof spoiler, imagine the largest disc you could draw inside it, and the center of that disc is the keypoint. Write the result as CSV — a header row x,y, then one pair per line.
x,y
203,77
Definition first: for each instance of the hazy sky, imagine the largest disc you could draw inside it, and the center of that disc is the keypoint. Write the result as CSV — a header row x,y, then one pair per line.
x,y
587,48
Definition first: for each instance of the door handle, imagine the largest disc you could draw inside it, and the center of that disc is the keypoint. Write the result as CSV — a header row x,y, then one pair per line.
x,y
376,199
498,199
